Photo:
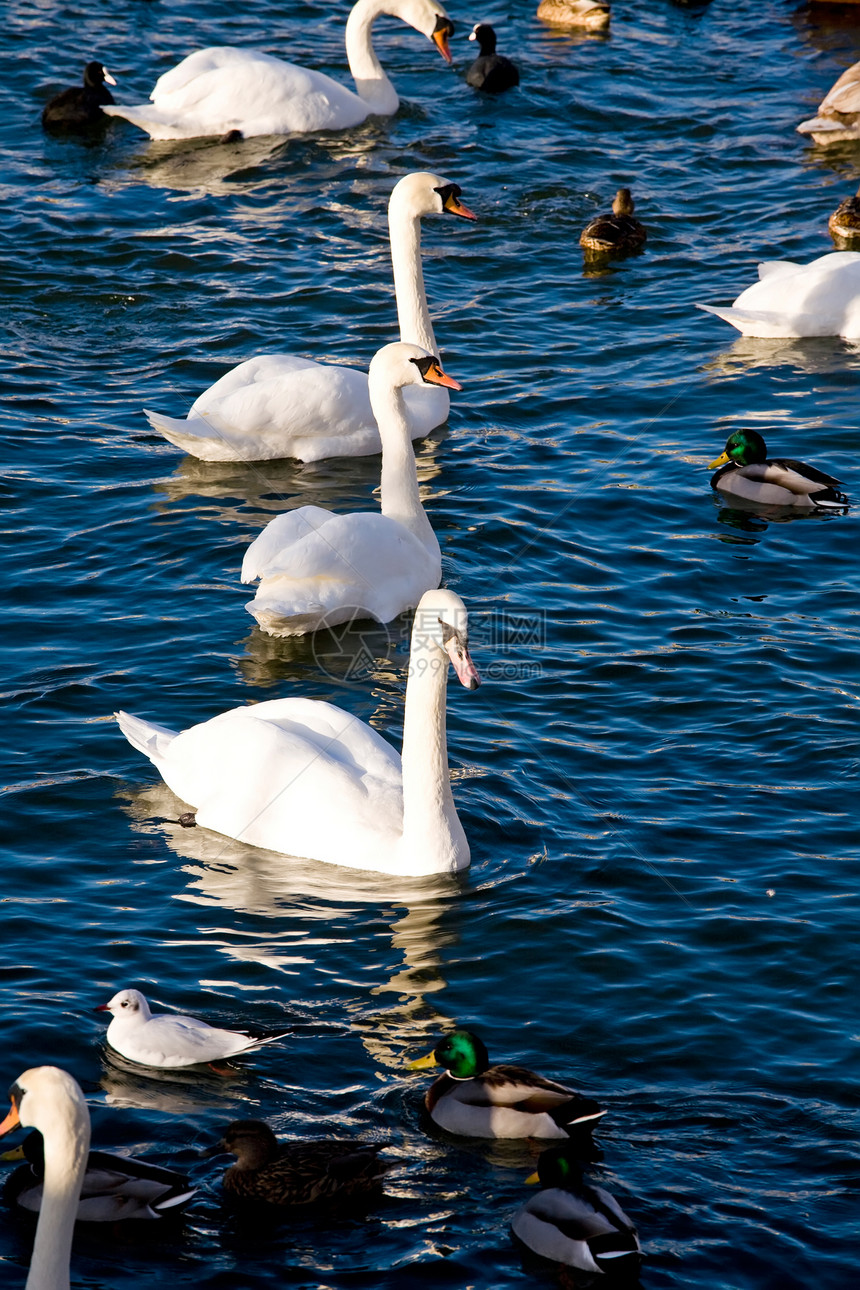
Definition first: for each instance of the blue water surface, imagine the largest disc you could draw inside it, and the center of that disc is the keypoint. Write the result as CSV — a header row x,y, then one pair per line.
x,y
658,776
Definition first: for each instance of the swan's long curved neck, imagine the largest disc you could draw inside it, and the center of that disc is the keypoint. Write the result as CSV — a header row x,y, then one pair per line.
x,y
433,839
67,1145
413,316
400,498
371,83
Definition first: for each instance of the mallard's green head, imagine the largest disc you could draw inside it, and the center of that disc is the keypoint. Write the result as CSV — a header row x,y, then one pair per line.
x,y
743,448
461,1053
557,1167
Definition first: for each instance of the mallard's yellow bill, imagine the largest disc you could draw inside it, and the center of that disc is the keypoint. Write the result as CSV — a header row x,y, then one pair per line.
x,y
533,1179
421,1063
722,460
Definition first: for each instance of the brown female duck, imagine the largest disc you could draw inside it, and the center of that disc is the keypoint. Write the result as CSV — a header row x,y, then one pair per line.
x,y
615,234
297,1173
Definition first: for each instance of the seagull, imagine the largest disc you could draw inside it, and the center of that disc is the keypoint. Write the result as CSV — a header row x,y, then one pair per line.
x,y
167,1040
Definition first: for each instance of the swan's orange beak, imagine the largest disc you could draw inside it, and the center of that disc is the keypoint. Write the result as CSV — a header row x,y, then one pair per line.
x,y
435,376
443,30
454,206
11,1122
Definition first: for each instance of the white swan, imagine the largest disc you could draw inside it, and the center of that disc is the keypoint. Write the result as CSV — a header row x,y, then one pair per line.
x,y
817,299
170,1040
838,116
48,1099
222,90
280,405
316,568
305,778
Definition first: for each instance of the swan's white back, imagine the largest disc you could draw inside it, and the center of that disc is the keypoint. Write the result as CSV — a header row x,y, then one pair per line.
x,y
791,300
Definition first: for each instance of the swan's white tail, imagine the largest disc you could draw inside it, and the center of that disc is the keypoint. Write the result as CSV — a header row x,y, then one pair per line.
x,y
153,741
151,120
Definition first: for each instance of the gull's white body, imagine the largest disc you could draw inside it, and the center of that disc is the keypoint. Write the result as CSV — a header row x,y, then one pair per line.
x,y
318,569
169,1040
821,298
218,90
305,778
281,405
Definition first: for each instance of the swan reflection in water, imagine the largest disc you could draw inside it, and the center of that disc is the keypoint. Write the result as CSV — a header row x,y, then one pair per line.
x,y
220,165
269,487
814,354
307,898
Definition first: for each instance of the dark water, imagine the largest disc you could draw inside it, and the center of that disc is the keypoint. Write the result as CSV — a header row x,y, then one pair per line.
x,y
658,777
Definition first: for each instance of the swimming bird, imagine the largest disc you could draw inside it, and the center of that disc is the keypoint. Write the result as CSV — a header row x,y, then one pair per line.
x,y
844,223
572,1222
490,71
305,778
79,109
114,1188
746,472
297,1173
169,1040
838,117
617,233
821,298
576,13
318,568
477,1100
50,1100
281,405
221,90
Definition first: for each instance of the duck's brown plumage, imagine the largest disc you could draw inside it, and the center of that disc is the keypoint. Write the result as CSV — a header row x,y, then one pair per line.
x,y
615,234
298,1173
844,223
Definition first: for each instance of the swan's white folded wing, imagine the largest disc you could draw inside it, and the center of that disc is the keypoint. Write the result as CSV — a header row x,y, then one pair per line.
x,y
275,780
360,548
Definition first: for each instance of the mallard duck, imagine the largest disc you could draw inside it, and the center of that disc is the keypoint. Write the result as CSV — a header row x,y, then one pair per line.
x,y
224,91
574,1223
477,1100
79,109
297,1173
844,223
490,71
593,15
114,1188
821,298
169,1040
838,115
746,472
615,234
